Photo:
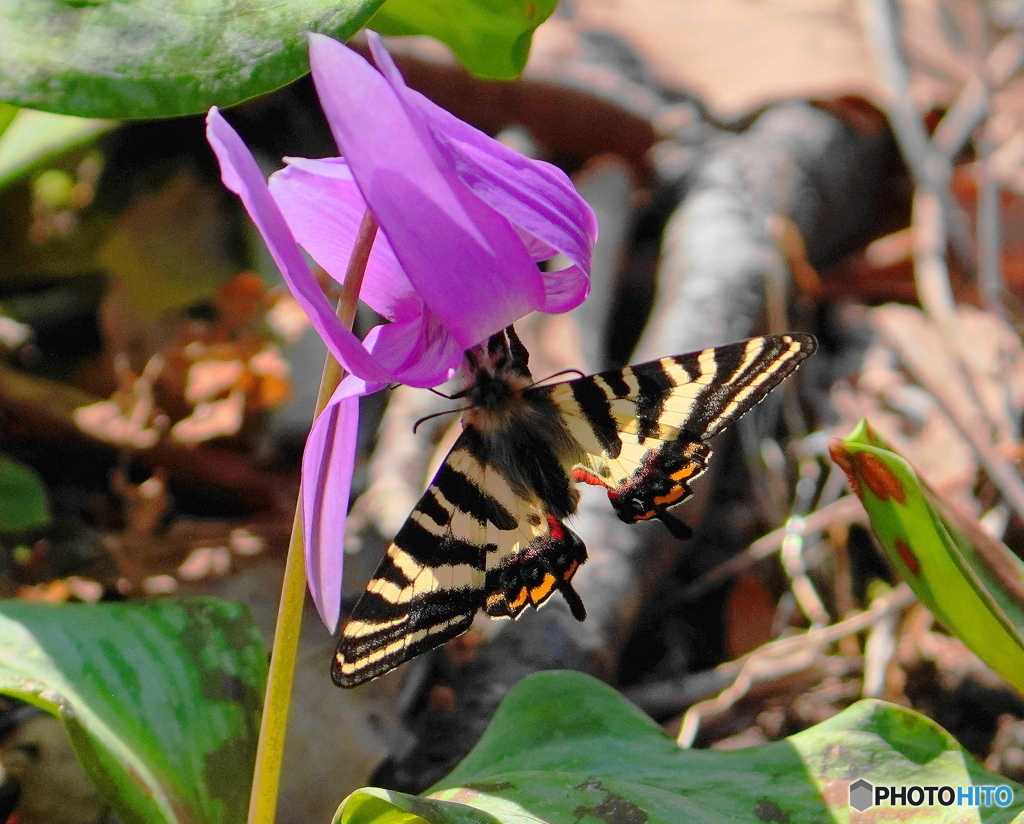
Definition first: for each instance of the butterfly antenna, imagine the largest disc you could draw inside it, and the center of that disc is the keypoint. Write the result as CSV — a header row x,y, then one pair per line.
x,y
441,394
557,374
415,426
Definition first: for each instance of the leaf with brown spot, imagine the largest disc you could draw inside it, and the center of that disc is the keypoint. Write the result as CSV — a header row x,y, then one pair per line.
x,y
970,580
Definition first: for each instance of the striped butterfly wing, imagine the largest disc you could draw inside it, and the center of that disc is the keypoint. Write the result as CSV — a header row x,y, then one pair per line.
x,y
471,543
644,429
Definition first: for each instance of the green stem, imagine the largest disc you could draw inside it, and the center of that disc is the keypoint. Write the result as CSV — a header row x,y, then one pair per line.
x,y
266,777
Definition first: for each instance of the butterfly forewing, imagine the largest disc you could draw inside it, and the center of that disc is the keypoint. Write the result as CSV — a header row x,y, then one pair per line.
x,y
643,429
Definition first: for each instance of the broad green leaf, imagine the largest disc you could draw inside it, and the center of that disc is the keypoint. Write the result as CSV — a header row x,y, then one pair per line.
x,y
158,58
970,581
34,137
564,747
161,699
23,502
490,37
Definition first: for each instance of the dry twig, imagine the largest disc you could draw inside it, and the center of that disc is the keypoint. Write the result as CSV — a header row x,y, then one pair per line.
x,y
787,656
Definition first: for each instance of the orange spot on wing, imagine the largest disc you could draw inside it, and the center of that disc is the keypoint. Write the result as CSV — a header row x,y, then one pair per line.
x,y
673,495
567,575
685,472
540,592
519,600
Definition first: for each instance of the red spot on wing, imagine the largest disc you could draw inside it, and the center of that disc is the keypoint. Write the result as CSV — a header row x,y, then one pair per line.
x,y
557,532
585,477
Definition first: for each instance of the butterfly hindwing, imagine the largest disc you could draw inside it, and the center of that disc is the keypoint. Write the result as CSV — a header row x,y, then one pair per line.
x,y
644,429
471,543
539,559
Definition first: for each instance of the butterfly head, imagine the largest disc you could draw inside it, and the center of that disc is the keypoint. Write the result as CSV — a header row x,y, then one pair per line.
x,y
499,370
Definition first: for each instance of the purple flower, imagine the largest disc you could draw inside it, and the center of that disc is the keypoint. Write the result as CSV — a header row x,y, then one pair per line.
x,y
463,222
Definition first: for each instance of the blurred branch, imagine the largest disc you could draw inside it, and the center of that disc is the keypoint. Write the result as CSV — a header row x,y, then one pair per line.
x,y
44,409
787,656
846,510
971,107
930,167
933,223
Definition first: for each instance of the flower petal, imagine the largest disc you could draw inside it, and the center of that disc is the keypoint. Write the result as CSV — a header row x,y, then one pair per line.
x,y
464,259
324,207
536,197
242,176
421,350
327,463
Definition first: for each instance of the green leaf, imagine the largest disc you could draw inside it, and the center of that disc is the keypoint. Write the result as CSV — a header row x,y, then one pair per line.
x,y
565,747
7,114
491,38
970,581
33,137
161,699
158,58
23,502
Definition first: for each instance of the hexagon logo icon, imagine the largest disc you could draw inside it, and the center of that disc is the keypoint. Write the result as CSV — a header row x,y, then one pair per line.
x,y
861,795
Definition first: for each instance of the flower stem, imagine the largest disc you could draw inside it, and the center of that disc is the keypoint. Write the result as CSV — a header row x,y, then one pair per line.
x,y
266,777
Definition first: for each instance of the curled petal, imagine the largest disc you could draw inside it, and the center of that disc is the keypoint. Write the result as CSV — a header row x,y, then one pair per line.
x,y
565,289
326,484
464,259
420,350
324,207
241,174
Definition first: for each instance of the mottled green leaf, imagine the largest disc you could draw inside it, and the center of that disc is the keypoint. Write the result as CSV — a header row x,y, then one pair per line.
x,y
158,58
972,582
161,699
490,37
564,747
23,502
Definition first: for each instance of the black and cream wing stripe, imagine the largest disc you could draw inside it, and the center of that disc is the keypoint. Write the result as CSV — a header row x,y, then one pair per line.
x,y
644,429
471,543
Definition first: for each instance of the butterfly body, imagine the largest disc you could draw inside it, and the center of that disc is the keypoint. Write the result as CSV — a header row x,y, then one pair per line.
x,y
489,532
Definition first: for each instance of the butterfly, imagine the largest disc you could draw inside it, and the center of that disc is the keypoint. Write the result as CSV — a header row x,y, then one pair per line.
x,y
489,533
